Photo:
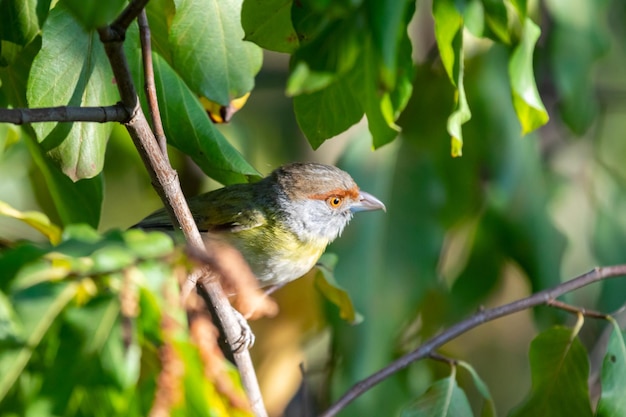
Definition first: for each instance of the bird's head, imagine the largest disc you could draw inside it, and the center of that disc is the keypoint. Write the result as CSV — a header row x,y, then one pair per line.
x,y
318,200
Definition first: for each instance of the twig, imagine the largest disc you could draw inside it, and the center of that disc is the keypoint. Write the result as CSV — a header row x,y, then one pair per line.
x,y
165,181
149,87
545,297
577,310
115,113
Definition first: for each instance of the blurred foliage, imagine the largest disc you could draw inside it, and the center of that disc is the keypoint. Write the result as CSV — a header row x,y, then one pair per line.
x,y
514,215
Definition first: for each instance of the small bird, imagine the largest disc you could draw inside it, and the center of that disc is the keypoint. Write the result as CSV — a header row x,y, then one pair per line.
x,y
281,224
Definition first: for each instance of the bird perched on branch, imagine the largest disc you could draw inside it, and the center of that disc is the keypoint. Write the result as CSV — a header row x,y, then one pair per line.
x,y
281,224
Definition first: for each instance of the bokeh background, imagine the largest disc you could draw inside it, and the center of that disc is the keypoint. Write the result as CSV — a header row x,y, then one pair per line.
x,y
511,216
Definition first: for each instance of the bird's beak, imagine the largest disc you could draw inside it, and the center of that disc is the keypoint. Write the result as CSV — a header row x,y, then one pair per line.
x,y
367,202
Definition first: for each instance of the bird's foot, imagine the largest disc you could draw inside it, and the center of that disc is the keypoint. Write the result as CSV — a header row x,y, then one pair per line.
x,y
246,338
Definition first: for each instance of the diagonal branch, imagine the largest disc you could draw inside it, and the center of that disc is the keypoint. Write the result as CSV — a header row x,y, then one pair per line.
x,y
545,297
115,113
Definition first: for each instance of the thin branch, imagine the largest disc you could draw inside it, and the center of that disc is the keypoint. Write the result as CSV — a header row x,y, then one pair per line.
x,y
165,181
127,16
577,310
545,297
115,113
149,87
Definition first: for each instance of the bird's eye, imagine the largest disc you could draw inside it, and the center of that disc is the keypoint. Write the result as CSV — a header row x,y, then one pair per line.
x,y
334,201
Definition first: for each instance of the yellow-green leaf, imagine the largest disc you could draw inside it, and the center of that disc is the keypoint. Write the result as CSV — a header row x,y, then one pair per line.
x,y
528,105
35,219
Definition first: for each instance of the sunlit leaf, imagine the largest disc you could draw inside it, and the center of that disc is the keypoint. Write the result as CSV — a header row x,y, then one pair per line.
x,y
528,105
210,53
325,282
82,78
268,24
35,219
449,35
560,368
444,398
612,400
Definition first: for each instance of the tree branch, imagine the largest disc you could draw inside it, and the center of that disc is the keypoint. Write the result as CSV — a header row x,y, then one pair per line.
x,y
545,297
115,113
149,87
165,181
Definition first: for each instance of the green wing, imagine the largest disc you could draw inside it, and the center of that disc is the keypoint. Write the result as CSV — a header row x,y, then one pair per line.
x,y
229,209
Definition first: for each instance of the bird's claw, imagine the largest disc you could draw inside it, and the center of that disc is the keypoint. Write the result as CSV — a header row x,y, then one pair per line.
x,y
246,338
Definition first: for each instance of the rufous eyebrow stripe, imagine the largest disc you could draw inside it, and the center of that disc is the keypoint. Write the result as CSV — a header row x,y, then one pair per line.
x,y
338,192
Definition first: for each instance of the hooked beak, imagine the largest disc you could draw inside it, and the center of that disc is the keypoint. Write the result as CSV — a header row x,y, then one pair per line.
x,y
367,202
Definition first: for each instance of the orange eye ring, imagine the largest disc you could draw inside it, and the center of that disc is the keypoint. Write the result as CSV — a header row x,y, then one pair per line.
x,y
334,201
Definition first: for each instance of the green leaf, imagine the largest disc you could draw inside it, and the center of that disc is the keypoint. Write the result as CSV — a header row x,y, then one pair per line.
x,y
497,21
449,35
160,15
613,401
388,25
378,106
560,368
329,55
37,307
82,78
35,219
489,409
444,398
189,129
526,101
148,245
94,13
268,24
76,202
210,53
20,19
326,283
328,112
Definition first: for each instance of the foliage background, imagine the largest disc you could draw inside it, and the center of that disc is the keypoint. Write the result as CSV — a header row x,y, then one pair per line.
x,y
513,215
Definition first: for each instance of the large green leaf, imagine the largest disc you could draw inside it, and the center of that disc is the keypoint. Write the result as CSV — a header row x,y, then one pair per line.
x,y
82,77
189,129
560,368
75,202
95,13
209,51
20,20
528,105
268,24
327,112
613,401
444,398
449,35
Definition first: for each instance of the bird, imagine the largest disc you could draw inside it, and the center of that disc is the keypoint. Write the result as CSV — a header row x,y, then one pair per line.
x,y
281,224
